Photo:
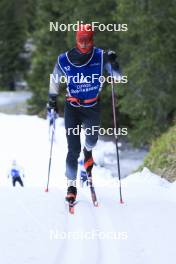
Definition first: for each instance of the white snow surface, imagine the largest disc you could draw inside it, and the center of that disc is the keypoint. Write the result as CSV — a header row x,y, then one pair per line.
x,y
36,228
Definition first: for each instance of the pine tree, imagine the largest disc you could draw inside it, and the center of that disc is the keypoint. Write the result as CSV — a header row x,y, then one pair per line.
x,y
14,28
148,56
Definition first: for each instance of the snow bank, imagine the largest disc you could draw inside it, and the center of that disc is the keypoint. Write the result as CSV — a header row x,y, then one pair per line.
x,y
142,230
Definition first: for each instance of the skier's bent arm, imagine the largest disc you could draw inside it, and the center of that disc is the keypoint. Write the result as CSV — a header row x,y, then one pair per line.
x,y
55,80
54,86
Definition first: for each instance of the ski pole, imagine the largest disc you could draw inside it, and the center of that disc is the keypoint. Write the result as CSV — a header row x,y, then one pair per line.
x,y
116,138
51,148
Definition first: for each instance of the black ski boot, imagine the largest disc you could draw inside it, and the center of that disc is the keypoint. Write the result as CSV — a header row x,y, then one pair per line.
x,y
88,162
71,194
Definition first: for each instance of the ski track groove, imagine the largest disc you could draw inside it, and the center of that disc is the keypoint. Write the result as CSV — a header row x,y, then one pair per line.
x,y
63,247
104,219
92,211
67,247
114,220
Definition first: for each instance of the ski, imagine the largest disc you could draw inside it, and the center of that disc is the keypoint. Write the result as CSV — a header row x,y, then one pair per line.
x,y
92,191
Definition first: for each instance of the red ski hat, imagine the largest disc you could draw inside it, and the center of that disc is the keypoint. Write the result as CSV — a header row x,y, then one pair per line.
x,y
84,38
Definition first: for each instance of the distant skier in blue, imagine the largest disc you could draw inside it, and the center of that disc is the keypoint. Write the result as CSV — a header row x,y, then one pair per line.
x,y
16,173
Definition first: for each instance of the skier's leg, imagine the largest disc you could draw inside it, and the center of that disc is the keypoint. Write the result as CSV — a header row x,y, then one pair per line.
x,y
91,124
13,182
72,121
20,181
88,161
74,148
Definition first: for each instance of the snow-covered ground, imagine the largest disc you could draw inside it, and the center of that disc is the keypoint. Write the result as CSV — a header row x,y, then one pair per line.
x,y
36,228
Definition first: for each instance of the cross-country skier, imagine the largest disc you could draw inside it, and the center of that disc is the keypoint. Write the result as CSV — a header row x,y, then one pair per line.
x,y
16,173
82,103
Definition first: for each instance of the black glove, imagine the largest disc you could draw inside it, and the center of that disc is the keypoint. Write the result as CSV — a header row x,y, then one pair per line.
x,y
52,103
112,56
